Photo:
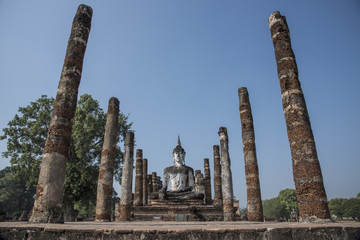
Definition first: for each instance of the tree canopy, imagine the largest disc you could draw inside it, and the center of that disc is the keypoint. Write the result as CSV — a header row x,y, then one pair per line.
x,y
26,135
281,206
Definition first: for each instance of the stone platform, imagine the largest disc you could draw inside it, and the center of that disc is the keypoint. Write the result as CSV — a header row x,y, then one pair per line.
x,y
177,210
180,230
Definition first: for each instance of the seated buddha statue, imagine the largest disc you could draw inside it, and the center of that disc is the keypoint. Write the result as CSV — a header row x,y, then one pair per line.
x,y
181,178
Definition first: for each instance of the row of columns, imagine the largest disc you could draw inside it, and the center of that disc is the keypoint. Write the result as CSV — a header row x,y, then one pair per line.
x,y
309,186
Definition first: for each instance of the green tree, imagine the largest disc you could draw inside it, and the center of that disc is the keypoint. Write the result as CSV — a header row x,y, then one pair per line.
x,y
288,198
14,196
336,207
352,208
274,208
26,135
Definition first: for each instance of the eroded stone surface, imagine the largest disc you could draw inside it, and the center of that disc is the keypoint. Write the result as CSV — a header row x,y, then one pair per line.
x,y
217,177
180,230
226,176
145,181
50,187
126,181
207,180
138,196
254,203
107,161
308,179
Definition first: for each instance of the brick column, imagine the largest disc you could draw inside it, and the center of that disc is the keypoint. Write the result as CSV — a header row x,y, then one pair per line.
x,y
217,178
145,183
127,176
208,199
117,211
50,187
254,203
154,181
150,188
138,196
226,176
107,162
308,179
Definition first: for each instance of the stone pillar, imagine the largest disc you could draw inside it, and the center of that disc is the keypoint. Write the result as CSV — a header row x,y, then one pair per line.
x,y
138,196
254,203
145,183
226,176
208,199
217,178
107,162
149,188
199,182
127,177
308,179
154,181
50,187
159,183
117,211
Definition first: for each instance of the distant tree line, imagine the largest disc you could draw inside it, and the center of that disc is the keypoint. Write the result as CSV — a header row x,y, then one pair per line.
x,y
341,208
280,207
26,135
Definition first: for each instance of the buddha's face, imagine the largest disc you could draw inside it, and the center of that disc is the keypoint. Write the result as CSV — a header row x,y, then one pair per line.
x,y
179,158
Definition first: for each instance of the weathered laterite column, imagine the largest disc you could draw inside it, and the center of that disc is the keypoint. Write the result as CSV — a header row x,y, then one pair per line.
x,y
218,202
117,211
50,187
145,183
226,176
308,179
138,196
159,183
150,188
154,181
107,162
254,203
126,180
207,180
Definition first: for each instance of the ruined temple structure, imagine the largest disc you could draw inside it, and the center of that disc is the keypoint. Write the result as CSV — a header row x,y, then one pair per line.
x,y
226,177
126,180
254,203
182,195
107,162
184,200
308,179
49,190
217,178
138,196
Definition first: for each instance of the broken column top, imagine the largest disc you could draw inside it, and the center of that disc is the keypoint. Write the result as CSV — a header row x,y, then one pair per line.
x,y
139,153
113,105
242,90
276,17
84,14
222,131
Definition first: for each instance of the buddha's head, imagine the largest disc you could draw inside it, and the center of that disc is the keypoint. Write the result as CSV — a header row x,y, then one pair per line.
x,y
179,154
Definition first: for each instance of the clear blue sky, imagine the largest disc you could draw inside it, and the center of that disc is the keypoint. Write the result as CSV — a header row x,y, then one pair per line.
x,y
176,66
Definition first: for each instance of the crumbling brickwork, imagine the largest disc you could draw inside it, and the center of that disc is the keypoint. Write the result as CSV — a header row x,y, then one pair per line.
x,y
207,179
254,203
50,187
308,179
145,183
126,180
226,176
217,177
138,197
154,182
107,162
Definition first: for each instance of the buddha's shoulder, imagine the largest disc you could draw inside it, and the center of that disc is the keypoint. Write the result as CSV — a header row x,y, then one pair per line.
x,y
168,168
189,168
